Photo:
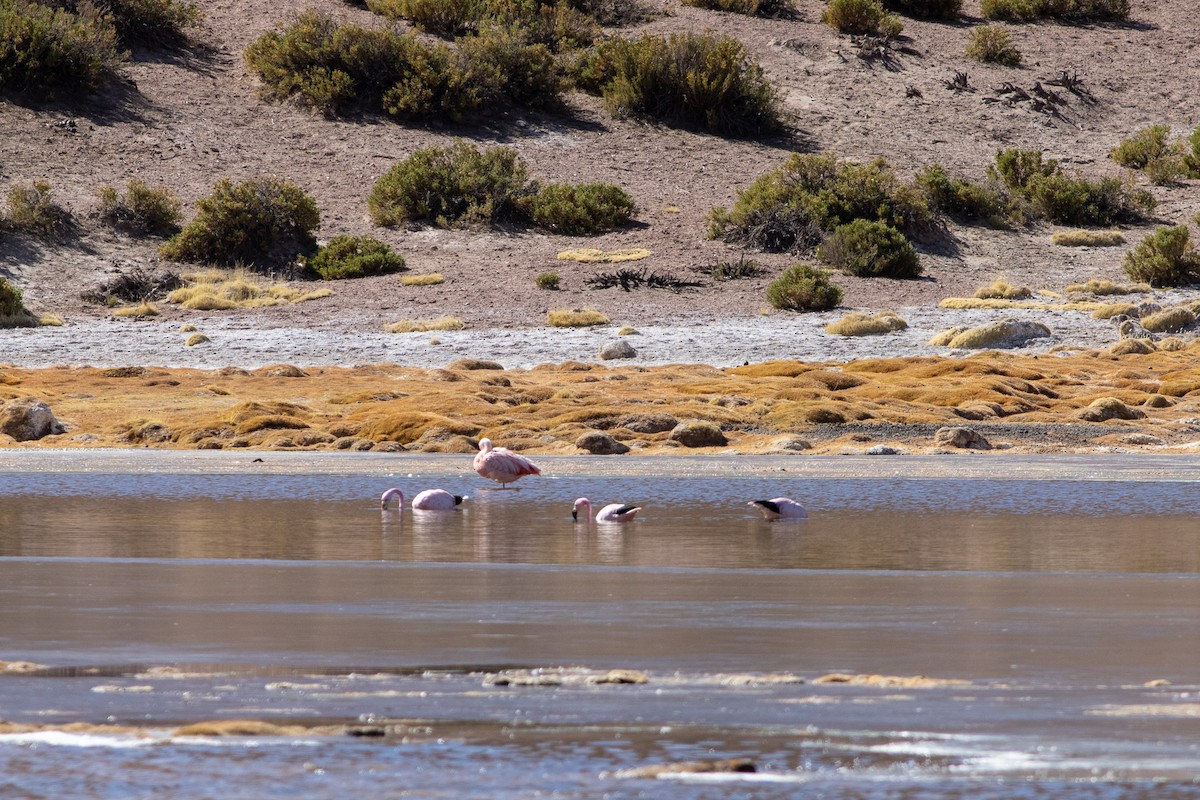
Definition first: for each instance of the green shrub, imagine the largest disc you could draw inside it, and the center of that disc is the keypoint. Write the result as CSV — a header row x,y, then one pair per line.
x,y
967,201
871,249
32,211
547,280
753,8
11,300
992,44
440,17
803,288
1143,147
562,25
786,209
581,209
263,222
1030,10
45,50
450,186
936,9
141,211
1068,200
687,79
1164,258
1192,159
335,67
355,257
153,23
860,16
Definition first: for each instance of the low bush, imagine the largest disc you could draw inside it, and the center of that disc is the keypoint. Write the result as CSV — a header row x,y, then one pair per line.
x,y
152,23
46,50
447,186
871,249
11,299
967,201
789,208
141,211
1030,10
804,288
992,44
687,79
936,9
354,257
1068,200
861,16
753,8
580,209
440,17
1143,147
1192,158
1164,258
548,281
562,25
31,210
263,222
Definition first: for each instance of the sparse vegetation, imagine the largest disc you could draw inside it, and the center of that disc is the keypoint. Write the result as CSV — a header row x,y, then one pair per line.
x,y
355,257
548,281
1150,150
859,323
686,79
753,8
31,210
1030,10
937,9
1069,200
861,16
804,288
590,255
992,44
630,279
1082,238
1166,257
1003,290
141,211
444,323
575,318
741,269
871,249
262,222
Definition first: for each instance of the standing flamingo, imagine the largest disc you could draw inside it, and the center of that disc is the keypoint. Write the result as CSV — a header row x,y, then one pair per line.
x,y
428,500
780,508
502,465
613,512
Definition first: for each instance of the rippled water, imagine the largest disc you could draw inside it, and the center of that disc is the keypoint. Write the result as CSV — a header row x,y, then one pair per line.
x,y
1064,610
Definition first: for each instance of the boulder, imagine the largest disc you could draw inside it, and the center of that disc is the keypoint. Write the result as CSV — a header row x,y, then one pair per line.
x,y
647,423
618,349
698,434
599,443
1106,408
961,437
28,419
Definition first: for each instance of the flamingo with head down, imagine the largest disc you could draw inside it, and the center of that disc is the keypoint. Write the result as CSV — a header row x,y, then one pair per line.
x,y
613,512
780,508
428,500
502,465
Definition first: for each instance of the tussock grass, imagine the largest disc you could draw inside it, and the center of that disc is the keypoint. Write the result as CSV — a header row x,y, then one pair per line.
x,y
590,255
195,339
575,318
1104,287
214,290
1003,290
1110,310
428,279
627,330
1082,238
858,323
1170,320
444,323
995,302
146,309
50,320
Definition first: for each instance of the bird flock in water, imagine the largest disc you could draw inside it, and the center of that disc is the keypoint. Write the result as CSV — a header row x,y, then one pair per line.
x,y
503,466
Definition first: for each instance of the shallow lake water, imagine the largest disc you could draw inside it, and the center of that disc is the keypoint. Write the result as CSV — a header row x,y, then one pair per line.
x,y
1054,599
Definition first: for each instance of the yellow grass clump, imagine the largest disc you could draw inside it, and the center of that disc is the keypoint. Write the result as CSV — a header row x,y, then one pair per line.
x,y
627,330
995,302
1110,310
443,323
575,318
1082,238
1170,320
1003,290
50,320
195,339
214,290
859,323
1103,287
428,279
144,309
590,255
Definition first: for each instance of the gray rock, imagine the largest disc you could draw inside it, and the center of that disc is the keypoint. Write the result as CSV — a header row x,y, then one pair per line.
x,y
698,434
599,443
881,450
28,419
618,349
962,438
647,423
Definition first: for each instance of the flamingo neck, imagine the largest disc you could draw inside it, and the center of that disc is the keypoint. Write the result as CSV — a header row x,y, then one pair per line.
x,y
388,495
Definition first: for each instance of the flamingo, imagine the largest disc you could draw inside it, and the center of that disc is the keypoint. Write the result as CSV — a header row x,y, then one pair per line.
x,y
428,500
502,465
780,508
613,512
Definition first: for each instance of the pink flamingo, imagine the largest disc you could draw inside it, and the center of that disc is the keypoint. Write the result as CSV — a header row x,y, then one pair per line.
x,y
780,508
502,465
613,512
428,500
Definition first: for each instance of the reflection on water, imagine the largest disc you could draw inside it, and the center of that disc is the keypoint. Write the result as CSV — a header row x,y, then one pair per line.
x,y
1060,602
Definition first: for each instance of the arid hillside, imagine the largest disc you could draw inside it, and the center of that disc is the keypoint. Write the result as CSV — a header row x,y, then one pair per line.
x,y
184,120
